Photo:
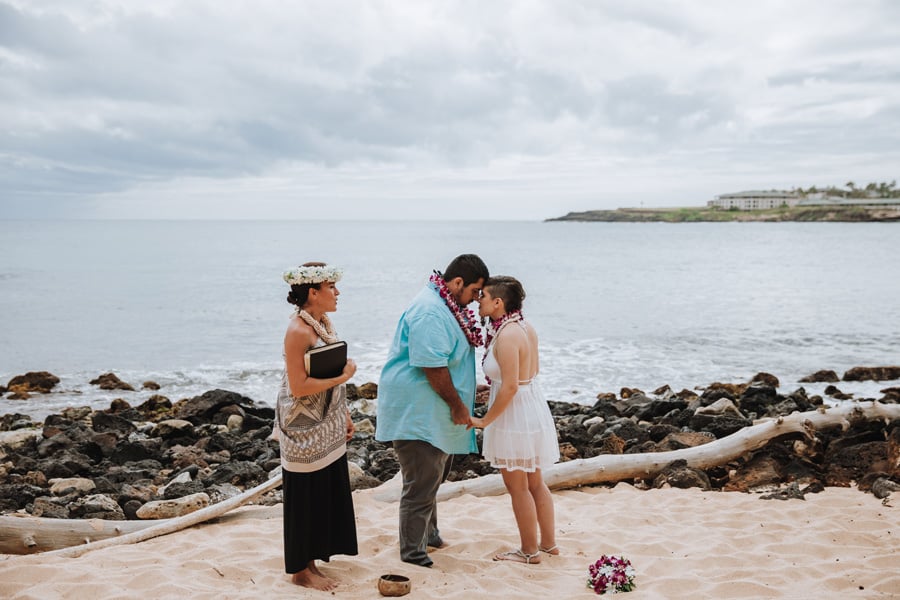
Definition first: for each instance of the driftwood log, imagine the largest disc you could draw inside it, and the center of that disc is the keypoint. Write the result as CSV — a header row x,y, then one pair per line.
x,y
619,467
74,537
24,534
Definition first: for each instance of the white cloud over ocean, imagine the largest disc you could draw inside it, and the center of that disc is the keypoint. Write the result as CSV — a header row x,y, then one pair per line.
x,y
278,109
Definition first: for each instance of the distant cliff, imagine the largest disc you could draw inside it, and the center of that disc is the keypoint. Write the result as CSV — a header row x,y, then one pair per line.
x,y
699,214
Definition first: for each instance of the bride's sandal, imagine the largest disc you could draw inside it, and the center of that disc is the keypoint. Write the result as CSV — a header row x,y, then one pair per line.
x,y
552,550
519,556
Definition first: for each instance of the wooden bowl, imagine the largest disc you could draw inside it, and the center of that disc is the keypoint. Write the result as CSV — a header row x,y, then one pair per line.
x,y
394,585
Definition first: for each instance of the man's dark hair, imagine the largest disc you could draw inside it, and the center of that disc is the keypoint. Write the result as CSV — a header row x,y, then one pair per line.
x,y
468,266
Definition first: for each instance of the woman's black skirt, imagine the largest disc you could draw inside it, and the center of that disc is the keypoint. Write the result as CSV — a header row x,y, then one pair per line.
x,y
319,521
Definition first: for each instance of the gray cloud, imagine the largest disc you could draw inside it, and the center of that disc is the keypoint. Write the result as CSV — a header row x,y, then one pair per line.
x,y
848,73
112,104
646,106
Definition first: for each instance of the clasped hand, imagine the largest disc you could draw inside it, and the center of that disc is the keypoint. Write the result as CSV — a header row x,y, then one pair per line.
x,y
461,416
475,423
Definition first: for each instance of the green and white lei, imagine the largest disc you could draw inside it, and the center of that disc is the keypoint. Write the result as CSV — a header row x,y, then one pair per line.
x,y
306,275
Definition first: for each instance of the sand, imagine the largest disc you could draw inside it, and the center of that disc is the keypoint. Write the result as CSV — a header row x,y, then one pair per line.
x,y
841,543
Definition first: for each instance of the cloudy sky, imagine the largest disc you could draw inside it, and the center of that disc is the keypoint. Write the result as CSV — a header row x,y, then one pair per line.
x,y
419,109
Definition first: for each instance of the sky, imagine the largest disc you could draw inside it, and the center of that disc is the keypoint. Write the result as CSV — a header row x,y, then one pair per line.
x,y
115,109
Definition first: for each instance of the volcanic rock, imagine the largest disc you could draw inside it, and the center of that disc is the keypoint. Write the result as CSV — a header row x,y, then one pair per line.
x,y
872,373
40,382
109,381
823,376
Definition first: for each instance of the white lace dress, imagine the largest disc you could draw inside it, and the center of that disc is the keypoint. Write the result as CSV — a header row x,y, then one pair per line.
x,y
523,437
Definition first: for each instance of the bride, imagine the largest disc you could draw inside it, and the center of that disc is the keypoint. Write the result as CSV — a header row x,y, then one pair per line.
x,y
519,432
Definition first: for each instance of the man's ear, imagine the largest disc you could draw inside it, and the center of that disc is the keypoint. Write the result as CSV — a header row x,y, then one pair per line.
x,y
456,285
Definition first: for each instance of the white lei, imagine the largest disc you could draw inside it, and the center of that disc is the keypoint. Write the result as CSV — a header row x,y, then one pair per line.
x,y
323,328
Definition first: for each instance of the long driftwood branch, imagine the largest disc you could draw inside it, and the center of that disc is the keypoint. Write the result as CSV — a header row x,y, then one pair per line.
x,y
618,467
24,534
74,537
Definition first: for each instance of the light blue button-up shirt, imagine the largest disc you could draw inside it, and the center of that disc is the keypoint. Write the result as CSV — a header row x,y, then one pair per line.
x,y
427,335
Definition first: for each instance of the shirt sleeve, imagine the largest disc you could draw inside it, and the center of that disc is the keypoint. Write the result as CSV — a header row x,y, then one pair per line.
x,y
430,344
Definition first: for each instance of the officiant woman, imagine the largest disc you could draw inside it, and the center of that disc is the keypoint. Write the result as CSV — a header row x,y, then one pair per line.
x,y
313,425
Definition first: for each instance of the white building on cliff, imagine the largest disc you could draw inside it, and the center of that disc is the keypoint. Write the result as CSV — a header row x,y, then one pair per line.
x,y
754,200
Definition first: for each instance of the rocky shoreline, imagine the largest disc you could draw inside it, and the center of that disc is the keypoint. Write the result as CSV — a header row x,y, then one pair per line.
x,y
131,462
698,214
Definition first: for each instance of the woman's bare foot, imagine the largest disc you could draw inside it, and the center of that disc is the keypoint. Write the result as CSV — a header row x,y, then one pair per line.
x,y
316,581
551,550
312,566
519,556
315,569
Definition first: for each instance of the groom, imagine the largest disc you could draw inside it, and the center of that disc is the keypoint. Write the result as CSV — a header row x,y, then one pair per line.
x,y
426,395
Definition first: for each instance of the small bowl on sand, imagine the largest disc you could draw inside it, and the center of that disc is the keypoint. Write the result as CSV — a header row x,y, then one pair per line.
x,y
394,585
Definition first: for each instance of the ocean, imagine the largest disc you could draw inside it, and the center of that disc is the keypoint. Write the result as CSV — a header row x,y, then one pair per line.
x,y
199,305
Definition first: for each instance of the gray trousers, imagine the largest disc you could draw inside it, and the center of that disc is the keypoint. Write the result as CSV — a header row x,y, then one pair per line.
x,y
423,467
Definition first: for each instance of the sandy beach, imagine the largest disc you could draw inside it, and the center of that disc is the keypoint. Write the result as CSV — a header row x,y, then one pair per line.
x,y
840,543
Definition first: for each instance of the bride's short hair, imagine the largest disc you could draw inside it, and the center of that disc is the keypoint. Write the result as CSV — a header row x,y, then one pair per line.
x,y
508,289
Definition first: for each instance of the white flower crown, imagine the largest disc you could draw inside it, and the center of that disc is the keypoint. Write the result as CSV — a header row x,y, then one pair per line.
x,y
306,275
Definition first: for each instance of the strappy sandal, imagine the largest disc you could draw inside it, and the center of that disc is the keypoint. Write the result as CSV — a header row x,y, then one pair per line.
x,y
552,550
518,552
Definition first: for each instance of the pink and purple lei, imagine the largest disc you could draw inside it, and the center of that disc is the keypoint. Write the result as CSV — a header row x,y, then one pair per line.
x,y
465,317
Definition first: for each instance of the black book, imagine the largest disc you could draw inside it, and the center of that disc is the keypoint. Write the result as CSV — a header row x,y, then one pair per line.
x,y
324,362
